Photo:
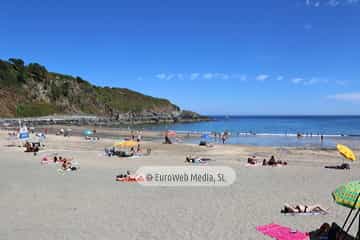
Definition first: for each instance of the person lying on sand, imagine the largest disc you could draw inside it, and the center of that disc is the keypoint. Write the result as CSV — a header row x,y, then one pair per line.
x,y
273,162
120,176
206,144
142,153
195,159
252,160
67,165
128,177
30,148
341,167
302,208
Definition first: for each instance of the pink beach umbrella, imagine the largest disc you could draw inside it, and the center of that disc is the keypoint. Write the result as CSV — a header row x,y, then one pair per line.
x,y
171,134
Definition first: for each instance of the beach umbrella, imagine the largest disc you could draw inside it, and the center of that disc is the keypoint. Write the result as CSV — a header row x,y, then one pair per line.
x,y
346,152
348,195
88,132
171,133
126,144
205,137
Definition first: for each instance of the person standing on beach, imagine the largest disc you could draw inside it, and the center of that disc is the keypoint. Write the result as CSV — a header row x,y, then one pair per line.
x,y
223,138
138,139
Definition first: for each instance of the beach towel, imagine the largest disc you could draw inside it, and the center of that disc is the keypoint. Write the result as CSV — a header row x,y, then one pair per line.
x,y
130,179
281,233
314,213
253,165
197,163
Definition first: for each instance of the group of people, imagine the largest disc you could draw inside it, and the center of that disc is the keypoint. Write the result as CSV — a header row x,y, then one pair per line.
x,y
300,135
271,162
221,137
66,164
136,136
133,151
31,147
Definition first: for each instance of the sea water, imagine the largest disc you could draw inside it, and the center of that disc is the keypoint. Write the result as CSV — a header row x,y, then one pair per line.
x,y
275,130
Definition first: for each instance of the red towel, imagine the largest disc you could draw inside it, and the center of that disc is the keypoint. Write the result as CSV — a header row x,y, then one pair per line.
x,y
281,233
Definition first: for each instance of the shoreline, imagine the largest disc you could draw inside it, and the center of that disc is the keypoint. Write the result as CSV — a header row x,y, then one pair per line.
x,y
193,137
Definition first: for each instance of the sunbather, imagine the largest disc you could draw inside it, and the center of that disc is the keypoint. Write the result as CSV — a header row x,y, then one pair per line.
x,y
252,160
128,177
120,176
142,153
342,166
31,148
194,159
67,165
273,162
205,143
302,209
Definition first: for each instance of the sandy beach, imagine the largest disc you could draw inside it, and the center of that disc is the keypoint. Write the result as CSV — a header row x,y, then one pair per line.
x,y
38,203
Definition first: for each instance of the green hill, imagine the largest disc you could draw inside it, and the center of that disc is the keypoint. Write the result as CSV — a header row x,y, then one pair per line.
x,y
31,91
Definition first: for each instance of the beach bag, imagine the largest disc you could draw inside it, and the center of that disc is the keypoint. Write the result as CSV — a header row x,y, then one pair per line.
x,y
337,233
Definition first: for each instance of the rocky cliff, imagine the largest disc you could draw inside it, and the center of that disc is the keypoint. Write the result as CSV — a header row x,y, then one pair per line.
x,y
32,91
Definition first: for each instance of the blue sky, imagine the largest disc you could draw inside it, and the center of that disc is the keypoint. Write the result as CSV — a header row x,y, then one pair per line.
x,y
213,57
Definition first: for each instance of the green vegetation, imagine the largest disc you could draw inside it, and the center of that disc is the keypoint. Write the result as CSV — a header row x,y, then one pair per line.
x,y
34,109
36,92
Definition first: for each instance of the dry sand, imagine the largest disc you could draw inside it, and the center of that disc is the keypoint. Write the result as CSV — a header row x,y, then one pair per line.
x,y
38,203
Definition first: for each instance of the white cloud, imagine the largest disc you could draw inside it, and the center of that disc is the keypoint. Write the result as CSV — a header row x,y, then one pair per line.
x,y
333,3
312,81
180,76
208,76
222,76
194,76
242,77
330,3
217,76
262,77
354,97
161,76
307,82
170,76
297,80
